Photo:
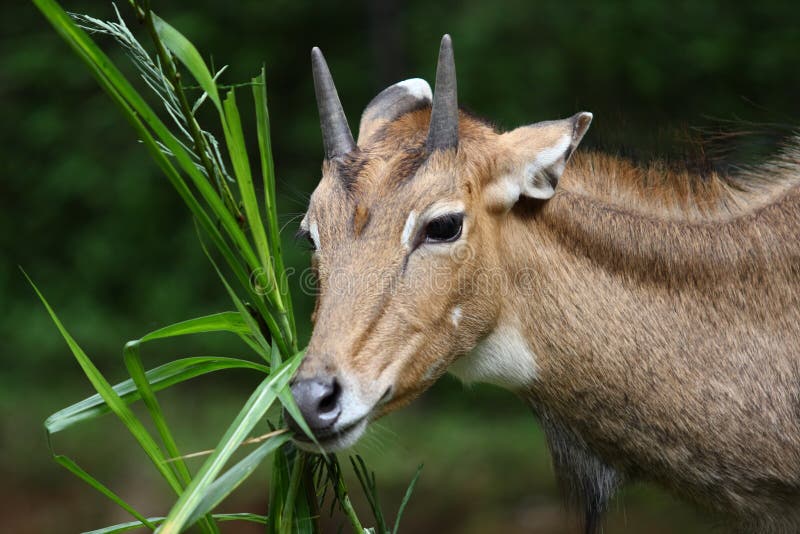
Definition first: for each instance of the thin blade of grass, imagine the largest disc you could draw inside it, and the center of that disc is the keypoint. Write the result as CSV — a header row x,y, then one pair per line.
x,y
289,404
133,361
367,481
255,330
233,477
159,378
78,471
133,525
405,500
252,412
234,138
185,51
278,484
229,321
268,176
117,405
137,111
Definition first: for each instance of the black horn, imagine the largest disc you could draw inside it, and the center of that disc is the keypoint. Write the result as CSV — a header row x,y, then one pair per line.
x,y
443,131
336,136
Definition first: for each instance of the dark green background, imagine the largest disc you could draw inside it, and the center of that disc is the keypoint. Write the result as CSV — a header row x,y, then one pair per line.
x,y
90,218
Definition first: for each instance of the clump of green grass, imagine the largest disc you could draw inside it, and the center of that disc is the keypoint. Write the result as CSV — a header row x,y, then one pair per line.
x,y
240,235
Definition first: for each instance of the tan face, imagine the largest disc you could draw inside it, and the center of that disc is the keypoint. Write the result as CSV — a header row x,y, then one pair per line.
x,y
397,238
407,229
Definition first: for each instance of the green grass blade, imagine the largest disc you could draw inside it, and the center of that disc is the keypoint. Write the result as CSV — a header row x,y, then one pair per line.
x,y
406,498
133,361
289,404
367,481
137,112
76,470
296,511
278,483
133,525
159,378
268,176
230,321
117,405
252,412
255,330
185,51
233,477
234,138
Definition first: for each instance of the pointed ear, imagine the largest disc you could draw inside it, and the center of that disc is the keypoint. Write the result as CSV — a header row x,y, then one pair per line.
x,y
537,156
392,102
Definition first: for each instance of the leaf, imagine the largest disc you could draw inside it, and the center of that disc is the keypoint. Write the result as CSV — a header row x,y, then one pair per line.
x,y
133,362
159,378
141,116
76,470
185,51
229,321
406,498
224,485
234,138
124,527
117,405
268,176
289,404
252,412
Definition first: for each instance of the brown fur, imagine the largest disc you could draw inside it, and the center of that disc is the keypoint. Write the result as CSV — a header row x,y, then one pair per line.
x,y
663,309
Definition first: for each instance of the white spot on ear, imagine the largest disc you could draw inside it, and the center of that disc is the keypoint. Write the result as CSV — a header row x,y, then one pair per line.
x,y
408,229
455,316
314,232
418,88
551,155
503,358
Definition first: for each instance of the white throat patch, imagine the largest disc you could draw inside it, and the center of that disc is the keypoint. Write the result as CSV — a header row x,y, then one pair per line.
x,y
502,358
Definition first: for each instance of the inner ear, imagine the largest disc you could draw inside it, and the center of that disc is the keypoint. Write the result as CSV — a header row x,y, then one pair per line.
x,y
392,102
538,156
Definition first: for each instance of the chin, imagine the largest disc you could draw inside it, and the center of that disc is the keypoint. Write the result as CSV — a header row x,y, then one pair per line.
x,y
335,441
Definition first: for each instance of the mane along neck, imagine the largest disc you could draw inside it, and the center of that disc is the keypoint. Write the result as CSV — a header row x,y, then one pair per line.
x,y
661,191
664,226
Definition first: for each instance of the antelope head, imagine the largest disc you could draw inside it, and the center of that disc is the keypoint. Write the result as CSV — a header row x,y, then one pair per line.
x,y
405,226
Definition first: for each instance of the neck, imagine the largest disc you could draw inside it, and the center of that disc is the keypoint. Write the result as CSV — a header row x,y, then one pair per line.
x,y
649,331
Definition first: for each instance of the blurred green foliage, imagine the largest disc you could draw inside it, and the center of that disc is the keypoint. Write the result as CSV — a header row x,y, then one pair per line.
x,y
88,215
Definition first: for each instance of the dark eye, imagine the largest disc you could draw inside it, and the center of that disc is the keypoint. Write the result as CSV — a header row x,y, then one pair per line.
x,y
444,229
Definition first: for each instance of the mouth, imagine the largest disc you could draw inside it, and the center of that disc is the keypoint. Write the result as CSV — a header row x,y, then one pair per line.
x,y
333,440
339,436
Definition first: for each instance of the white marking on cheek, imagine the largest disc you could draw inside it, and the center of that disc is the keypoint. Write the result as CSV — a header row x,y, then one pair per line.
x,y
314,232
418,88
503,358
408,229
455,316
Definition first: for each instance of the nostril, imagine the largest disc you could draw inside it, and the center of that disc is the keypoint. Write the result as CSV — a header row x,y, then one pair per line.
x,y
330,402
319,401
